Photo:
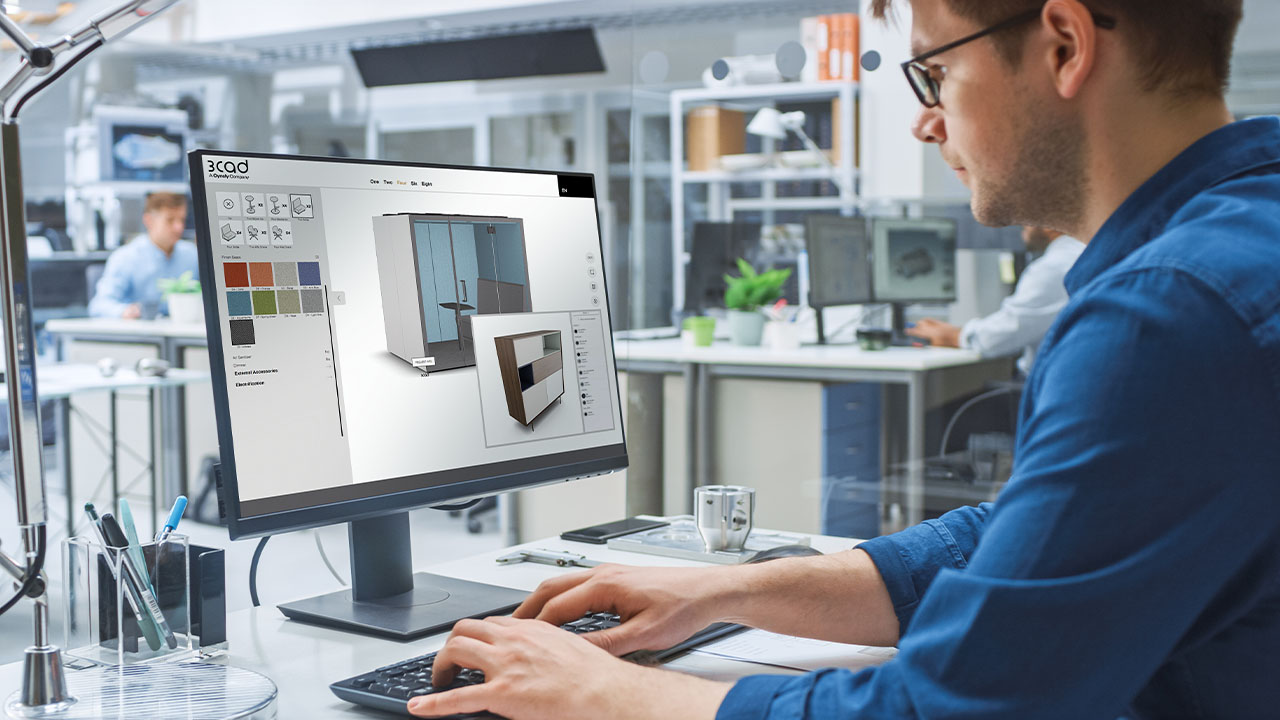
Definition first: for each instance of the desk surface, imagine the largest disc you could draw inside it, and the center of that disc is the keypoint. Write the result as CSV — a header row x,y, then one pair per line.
x,y
64,380
119,327
809,356
304,659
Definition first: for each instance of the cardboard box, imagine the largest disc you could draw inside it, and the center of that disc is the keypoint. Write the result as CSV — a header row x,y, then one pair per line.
x,y
712,131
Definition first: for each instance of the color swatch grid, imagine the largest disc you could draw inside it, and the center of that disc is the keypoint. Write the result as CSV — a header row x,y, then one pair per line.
x,y
259,289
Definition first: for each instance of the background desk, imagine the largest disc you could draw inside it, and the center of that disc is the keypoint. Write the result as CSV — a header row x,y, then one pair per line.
x,y
193,433
843,416
60,382
304,659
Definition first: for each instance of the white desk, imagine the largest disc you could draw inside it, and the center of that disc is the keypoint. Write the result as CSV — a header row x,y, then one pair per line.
x,y
170,340
304,659
911,367
60,382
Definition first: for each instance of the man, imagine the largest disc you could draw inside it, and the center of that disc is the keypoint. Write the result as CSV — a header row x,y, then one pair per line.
x,y
1131,567
1025,316
128,283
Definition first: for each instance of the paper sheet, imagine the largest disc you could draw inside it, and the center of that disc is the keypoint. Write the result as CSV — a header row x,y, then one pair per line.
x,y
766,648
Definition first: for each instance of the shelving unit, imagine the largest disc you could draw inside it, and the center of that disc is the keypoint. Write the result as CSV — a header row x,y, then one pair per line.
x,y
532,368
722,207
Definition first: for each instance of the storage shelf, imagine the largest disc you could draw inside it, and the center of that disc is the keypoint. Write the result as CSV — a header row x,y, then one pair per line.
x,y
831,202
764,175
789,91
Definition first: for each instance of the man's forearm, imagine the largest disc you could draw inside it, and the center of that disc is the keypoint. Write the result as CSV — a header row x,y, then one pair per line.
x,y
838,597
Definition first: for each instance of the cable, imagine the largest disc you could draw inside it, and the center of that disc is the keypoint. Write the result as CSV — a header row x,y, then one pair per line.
x,y
97,43
946,434
253,571
33,572
325,557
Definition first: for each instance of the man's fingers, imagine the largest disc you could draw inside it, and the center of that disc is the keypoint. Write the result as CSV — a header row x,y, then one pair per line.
x,y
548,589
460,651
572,604
627,637
469,699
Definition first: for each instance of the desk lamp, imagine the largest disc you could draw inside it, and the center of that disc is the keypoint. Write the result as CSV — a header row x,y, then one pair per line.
x,y
44,688
769,122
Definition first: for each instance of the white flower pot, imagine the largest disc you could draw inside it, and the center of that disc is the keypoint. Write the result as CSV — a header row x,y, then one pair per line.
x,y
185,308
746,327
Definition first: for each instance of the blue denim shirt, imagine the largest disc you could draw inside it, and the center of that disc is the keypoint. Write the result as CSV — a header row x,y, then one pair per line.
x,y
132,271
1131,567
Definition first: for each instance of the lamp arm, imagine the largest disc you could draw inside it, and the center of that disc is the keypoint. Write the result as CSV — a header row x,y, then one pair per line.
x,y
813,147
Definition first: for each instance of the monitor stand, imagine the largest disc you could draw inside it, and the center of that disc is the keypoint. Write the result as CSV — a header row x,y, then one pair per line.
x,y
388,599
900,336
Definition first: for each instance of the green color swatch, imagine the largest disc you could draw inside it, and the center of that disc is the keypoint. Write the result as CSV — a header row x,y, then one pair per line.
x,y
264,302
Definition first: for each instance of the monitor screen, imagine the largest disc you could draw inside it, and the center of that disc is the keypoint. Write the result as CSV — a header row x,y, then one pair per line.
x,y
389,335
914,260
839,260
714,251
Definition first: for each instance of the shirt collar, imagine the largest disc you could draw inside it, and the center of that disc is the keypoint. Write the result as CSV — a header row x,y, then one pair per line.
x,y
1222,154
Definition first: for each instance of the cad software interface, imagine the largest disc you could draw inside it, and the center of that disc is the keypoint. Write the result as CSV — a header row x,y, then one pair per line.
x,y
365,312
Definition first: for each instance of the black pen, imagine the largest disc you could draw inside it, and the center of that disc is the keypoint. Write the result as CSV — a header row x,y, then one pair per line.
x,y
115,534
149,629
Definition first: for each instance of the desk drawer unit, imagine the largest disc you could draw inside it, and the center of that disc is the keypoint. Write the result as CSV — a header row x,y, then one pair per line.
x,y
532,367
851,459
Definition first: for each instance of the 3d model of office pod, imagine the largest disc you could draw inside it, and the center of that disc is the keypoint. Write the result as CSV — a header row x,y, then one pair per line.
x,y
436,272
532,368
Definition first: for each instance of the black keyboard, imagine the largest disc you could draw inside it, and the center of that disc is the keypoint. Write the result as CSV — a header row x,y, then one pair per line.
x,y
391,687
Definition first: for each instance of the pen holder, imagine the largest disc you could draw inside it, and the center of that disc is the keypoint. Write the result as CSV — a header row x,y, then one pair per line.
x,y
109,620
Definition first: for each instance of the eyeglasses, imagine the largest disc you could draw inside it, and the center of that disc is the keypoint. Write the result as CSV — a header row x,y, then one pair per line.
x,y
926,80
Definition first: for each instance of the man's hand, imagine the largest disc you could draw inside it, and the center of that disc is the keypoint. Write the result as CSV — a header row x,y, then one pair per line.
x,y
132,312
659,606
536,671
938,333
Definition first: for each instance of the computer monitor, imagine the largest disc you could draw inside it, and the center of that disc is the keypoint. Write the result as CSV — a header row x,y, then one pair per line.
x,y
914,261
714,251
839,263
386,336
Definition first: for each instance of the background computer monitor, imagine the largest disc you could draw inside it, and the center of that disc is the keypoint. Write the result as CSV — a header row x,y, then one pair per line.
x,y
914,261
839,251
332,287
714,250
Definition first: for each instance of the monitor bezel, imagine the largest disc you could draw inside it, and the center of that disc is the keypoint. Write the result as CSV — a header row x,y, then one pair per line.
x,y
876,224
812,223
576,464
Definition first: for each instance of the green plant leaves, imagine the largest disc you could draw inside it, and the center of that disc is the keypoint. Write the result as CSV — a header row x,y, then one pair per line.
x,y
752,290
183,284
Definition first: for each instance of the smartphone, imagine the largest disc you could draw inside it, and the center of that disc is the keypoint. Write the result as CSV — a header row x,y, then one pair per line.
x,y
600,534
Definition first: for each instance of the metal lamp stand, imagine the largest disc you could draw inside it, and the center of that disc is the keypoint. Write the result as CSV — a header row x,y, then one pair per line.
x,y
44,686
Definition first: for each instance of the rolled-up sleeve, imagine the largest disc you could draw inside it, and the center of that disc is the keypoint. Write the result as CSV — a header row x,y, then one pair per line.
x,y
1130,531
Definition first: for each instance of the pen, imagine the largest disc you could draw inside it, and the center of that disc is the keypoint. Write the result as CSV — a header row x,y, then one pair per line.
x,y
171,524
112,530
149,630
135,547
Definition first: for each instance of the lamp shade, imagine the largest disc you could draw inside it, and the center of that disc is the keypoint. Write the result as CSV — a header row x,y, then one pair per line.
x,y
770,123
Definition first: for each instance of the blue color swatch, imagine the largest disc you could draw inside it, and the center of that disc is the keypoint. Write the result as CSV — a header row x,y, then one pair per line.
x,y
239,303
308,273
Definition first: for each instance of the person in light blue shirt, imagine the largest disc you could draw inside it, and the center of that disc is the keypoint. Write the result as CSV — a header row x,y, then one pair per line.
x,y
128,286
1131,566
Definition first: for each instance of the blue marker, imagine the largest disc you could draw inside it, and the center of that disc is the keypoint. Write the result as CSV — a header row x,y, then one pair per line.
x,y
175,515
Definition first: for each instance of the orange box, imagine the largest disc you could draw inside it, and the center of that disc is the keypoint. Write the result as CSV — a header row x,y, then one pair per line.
x,y
712,131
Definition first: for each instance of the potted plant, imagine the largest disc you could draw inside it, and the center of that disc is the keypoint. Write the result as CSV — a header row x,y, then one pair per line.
x,y
183,297
746,295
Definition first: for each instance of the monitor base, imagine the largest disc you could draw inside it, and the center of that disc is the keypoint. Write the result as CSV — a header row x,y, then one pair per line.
x,y
433,605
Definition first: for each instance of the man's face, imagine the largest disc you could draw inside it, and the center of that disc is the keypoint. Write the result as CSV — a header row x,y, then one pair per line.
x,y
1002,128
165,226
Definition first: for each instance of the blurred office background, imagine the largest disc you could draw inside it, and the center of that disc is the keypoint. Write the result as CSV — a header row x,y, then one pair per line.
x,y
657,99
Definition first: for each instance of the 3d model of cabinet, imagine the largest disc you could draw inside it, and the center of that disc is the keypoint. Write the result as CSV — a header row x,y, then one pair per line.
x,y
438,271
532,370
